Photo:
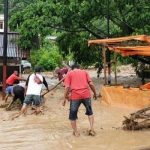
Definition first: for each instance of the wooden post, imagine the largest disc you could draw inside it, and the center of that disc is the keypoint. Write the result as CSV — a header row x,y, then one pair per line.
x,y
5,45
104,61
109,72
115,59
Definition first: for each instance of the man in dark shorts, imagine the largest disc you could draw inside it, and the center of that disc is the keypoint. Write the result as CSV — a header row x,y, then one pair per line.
x,y
34,87
18,92
77,91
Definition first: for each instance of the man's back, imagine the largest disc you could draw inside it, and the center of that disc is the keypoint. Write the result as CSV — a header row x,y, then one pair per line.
x,y
33,87
79,79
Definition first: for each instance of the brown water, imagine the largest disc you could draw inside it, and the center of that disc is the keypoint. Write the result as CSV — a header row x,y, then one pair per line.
x,y
53,131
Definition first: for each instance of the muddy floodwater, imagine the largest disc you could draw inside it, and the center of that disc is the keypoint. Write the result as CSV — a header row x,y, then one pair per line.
x,y
52,131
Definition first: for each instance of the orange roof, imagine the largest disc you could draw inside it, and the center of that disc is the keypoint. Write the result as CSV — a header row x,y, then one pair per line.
x,y
129,51
146,86
125,51
121,39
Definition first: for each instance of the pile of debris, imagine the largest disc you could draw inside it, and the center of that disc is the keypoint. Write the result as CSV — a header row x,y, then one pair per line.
x,y
138,120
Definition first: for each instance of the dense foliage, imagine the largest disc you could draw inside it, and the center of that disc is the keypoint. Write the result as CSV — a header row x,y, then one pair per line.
x,y
76,21
49,57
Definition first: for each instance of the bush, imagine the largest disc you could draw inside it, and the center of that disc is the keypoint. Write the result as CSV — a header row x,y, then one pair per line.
x,y
48,58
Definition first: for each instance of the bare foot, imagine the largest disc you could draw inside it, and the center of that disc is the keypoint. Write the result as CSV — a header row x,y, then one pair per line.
x,y
92,133
77,134
37,112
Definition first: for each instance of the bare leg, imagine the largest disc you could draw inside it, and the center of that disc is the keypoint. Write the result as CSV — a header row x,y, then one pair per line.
x,y
74,127
23,109
91,121
10,104
12,101
38,110
6,97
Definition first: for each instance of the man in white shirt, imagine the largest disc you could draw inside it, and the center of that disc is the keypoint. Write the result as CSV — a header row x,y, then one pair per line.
x,y
33,90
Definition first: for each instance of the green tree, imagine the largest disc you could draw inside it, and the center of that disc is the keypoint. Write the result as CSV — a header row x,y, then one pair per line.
x,y
49,57
1,6
76,21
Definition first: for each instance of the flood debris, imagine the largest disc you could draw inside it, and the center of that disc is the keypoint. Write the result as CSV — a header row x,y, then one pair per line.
x,y
3,105
138,120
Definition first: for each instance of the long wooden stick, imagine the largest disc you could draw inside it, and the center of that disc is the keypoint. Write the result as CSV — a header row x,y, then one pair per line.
x,y
58,82
54,86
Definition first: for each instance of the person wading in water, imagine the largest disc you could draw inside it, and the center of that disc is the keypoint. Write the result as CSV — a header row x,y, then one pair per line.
x,y
34,88
77,91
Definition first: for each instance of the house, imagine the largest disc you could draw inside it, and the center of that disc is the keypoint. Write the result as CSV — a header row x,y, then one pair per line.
x,y
14,53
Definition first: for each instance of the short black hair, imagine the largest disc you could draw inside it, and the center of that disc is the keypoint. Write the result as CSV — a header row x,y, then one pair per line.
x,y
77,66
38,69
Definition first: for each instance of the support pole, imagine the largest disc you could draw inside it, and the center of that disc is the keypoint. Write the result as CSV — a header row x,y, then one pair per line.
x,y
115,59
104,61
108,34
5,45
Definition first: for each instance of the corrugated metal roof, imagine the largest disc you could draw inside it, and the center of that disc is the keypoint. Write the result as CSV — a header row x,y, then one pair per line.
x,y
12,47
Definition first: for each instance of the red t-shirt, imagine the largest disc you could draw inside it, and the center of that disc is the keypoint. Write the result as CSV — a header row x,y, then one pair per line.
x,y
77,80
11,80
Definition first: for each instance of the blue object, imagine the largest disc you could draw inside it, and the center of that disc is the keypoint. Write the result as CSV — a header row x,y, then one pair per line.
x,y
9,90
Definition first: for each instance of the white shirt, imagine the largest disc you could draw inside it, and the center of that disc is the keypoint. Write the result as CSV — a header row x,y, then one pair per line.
x,y
33,87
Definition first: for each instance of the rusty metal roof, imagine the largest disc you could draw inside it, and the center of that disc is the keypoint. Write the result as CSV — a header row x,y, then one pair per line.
x,y
13,50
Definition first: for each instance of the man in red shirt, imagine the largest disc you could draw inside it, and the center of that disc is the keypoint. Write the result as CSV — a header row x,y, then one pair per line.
x,y
77,91
14,78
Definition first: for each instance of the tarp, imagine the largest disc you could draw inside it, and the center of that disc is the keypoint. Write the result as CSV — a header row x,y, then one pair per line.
x,y
125,51
144,38
145,86
123,97
133,50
